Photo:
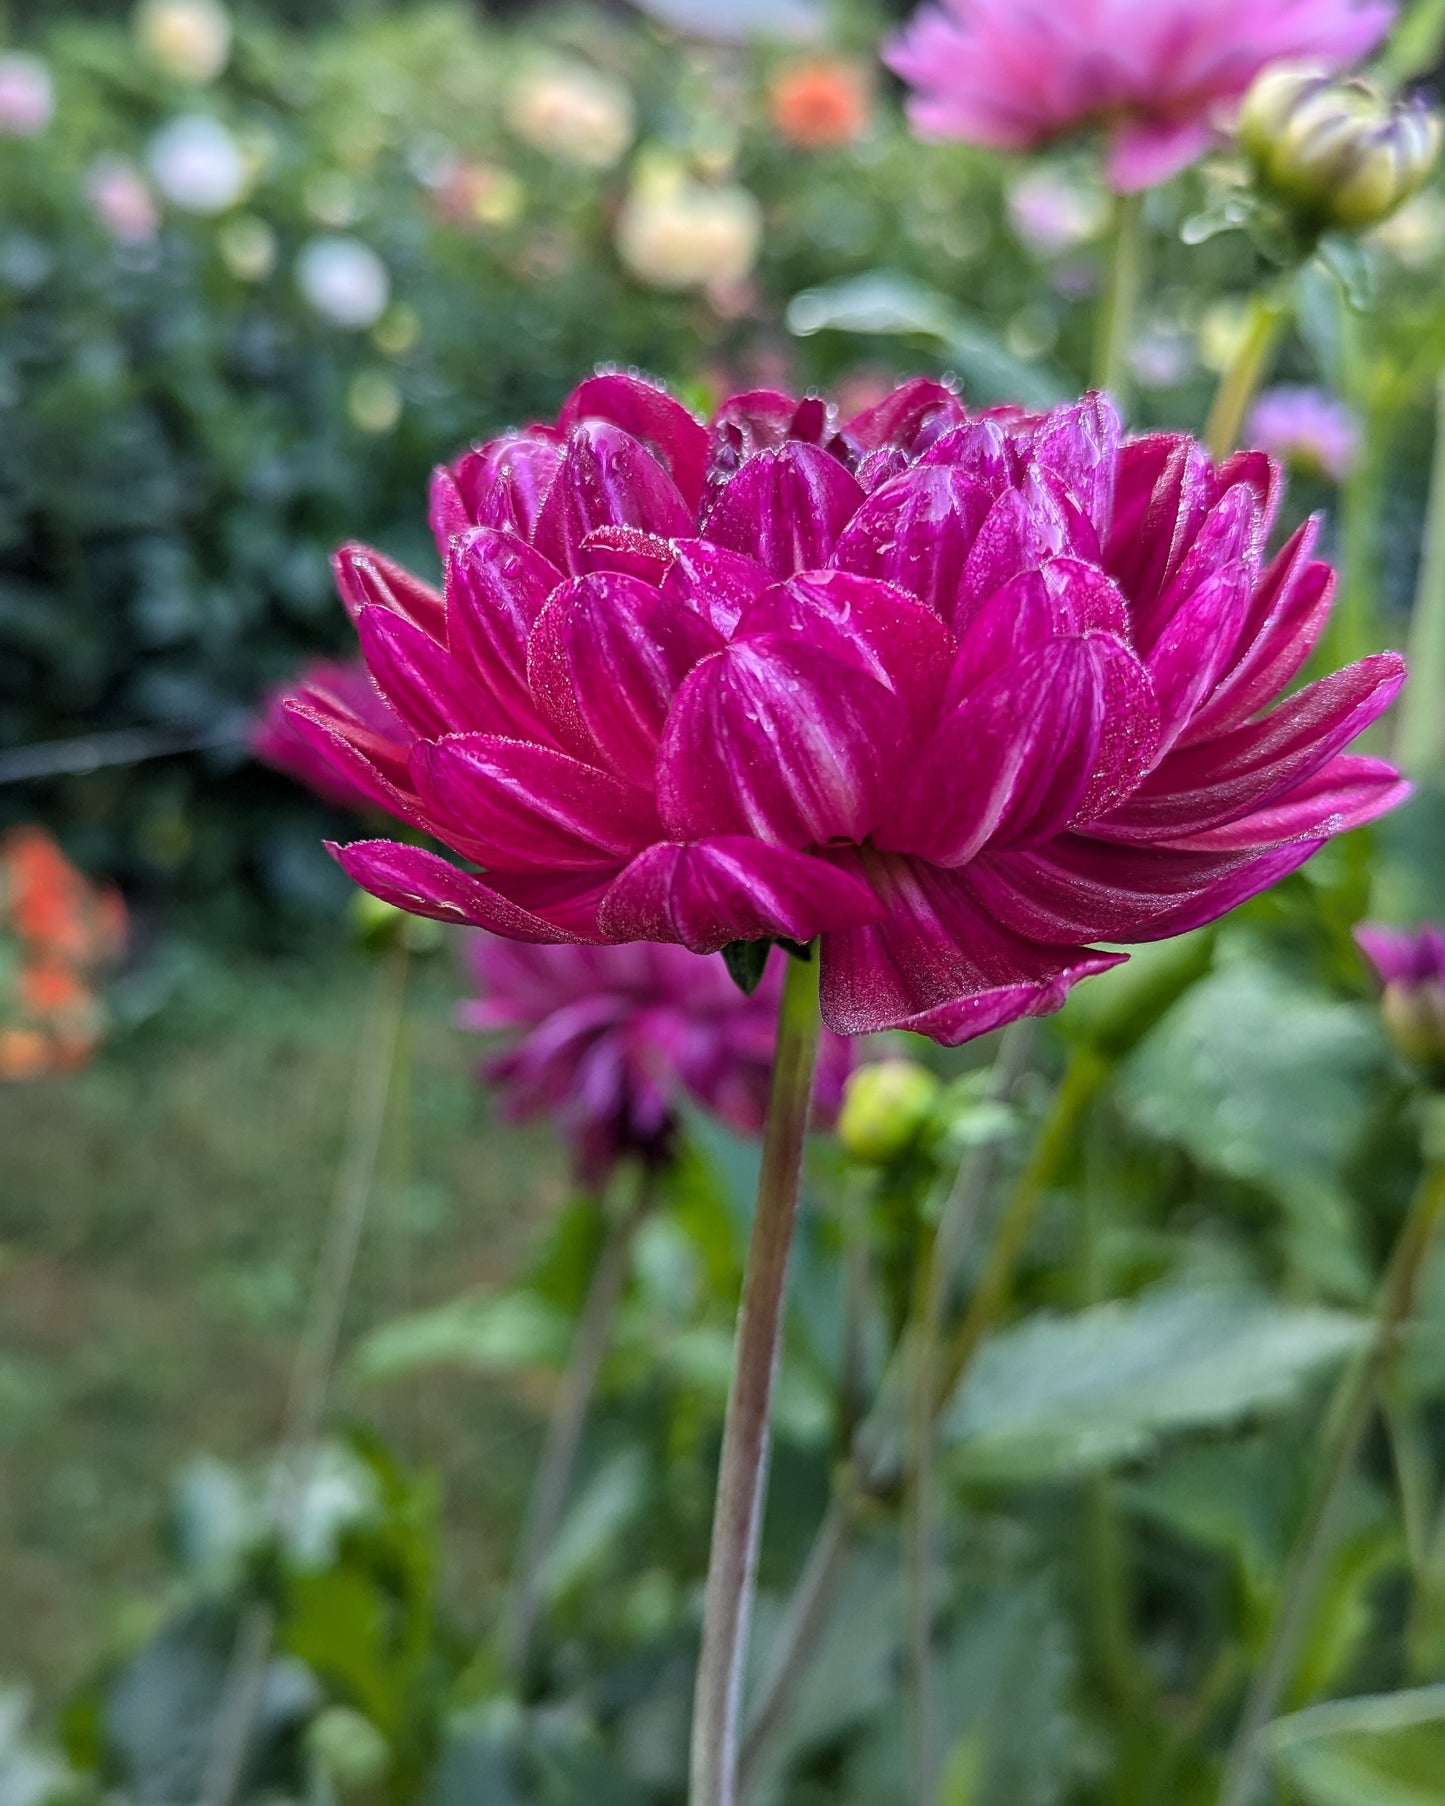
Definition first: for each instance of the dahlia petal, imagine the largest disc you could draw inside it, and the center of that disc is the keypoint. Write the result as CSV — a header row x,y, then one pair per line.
x,y
717,583
1200,787
1080,444
627,549
367,579
938,963
757,420
496,586
606,658
1229,534
706,893
430,692
446,511
425,884
864,622
776,738
524,806
505,482
365,769
1147,154
1290,605
1017,619
1093,602
915,531
979,450
1345,793
606,479
910,417
674,436
1254,876
1008,764
786,508
1258,471
1025,527
1161,495
1185,661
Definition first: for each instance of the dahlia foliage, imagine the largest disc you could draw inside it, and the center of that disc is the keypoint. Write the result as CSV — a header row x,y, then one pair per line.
x,y
958,693
1155,73
608,1041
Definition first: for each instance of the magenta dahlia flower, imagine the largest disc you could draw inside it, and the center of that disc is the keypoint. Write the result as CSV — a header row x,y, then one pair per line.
x,y
607,1040
343,691
959,694
1154,74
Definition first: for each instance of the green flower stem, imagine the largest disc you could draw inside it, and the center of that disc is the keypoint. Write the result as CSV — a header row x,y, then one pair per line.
x,y
315,1358
743,1465
1422,718
1239,384
566,1426
1114,326
1355,1407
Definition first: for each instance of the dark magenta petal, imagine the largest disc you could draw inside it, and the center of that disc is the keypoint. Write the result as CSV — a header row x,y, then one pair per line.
x,y
1080,444
1204,786
785,508
496,587
980,451
757,420
1197,642
629,550
916,531
1018,759
366,579
1024,528
356,765
430,692
674,436
1229,535
706,893
1093,602
717,583
910,418
938,962
1161,495
867,623
1248,881
425,884
606,659
446,511
606,479
1288,611
1345,793
1017,619
527,806
505,482
778,739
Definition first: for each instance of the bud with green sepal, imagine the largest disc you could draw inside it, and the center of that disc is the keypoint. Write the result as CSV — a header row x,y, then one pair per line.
x,y
886,1109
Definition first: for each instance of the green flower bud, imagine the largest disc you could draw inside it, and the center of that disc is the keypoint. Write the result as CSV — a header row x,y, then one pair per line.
x,y
1340,153
886,1107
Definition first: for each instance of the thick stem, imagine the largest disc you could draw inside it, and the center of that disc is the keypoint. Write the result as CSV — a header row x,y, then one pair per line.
x,y
1356,1407
1421,743
565,1428
743,1465
1114,326
315,1357
1240,382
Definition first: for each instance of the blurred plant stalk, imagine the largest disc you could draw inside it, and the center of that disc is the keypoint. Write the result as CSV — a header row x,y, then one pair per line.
x,y
1347,1424
743,1463
1241,379
1422,717
1118,305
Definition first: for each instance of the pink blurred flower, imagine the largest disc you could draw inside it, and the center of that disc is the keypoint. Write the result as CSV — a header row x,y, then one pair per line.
x,y
27,98
1308,428
344,692
122,202
1410,965
1154,74
960,694
609,1040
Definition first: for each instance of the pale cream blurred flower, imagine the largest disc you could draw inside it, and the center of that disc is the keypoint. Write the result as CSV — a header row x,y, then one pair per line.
x,y
120,198
1221,333
27,97
189,39
197,164
678,233
1415,235
248,248
574,113
373,401
344,280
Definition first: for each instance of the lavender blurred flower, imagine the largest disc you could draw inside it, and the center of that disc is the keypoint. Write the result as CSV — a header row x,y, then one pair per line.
x,y
121,200
27,98
1308,428
1052,214
609,1040
1410,964
1152,73
197,164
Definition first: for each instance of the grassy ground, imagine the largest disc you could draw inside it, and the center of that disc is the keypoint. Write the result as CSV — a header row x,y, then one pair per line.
x,y
160,1215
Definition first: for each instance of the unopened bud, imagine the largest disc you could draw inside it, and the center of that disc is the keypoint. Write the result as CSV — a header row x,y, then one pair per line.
x,y
1341,153
886,1107
1411,967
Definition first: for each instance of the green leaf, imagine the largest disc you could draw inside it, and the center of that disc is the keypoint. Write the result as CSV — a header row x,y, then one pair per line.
x,y
1384,1750
746,962
1061,1396
889,303
490,1332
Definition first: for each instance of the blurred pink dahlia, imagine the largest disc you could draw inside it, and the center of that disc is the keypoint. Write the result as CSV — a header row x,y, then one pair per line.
x,y
343,691
1012,74
608,1040
959,694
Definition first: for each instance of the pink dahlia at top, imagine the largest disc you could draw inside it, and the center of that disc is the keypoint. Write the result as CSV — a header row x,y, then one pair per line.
x,y
1155,73
958,693
608,1041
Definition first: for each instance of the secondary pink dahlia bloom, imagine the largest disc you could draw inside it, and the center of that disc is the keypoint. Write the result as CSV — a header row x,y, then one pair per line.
x,y
343,691
1154,74
959,694
1308,428
607,1041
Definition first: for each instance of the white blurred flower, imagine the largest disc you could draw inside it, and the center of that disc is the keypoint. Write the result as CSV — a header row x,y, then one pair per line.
x,y
197,164
1051,213
574,113
344,280
27,98
675,233
189,39
121,200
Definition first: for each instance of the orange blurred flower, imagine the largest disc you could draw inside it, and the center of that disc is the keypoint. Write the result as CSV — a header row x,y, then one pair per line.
x,y
819,103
